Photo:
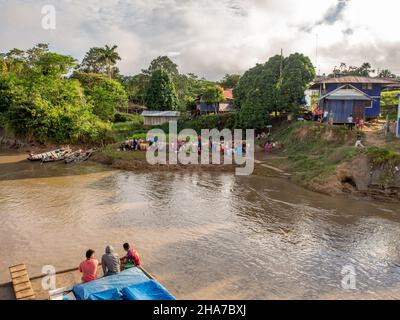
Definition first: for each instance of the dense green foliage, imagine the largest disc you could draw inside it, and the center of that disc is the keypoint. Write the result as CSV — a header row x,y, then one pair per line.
x,y
276,86
389,104
38,102
365,70
101,61
188,87
386,73
160,94
107,95
164,63
89,80
48,97
213,94
125,129
210,121
230,81
124,117
135,87
390,98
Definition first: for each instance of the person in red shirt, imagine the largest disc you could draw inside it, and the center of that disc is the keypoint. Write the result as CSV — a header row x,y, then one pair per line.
x,y
89,267
132,258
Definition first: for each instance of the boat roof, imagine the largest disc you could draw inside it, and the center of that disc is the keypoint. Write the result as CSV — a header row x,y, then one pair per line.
x,y
131,284
346,92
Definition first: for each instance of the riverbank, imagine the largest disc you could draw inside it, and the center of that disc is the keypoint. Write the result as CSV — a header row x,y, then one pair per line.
x,y
324,159
315,156
136,161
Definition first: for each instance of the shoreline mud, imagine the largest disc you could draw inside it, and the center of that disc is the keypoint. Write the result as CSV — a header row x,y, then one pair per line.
x,y
356,179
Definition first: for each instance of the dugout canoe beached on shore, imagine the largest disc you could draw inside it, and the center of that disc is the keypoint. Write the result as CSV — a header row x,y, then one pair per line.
x,y
51,156
131,284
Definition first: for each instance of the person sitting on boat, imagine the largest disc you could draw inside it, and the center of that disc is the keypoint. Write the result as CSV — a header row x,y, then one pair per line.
x,y
110,262
131,259
89,267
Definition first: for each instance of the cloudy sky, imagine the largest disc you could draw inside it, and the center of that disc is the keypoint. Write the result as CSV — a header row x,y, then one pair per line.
x,y
212,37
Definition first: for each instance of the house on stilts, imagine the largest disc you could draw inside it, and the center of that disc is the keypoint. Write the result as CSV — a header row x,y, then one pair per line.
x,y
351,95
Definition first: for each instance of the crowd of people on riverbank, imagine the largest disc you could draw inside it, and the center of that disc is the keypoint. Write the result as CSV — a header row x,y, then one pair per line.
x,y
111,263
187,146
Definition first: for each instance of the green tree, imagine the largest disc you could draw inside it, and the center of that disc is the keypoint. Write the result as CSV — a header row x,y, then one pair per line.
x,y
297,74
365,70
230,81
15,61
110,57
276,86
213,95
102,61
386,73
54,64
92,62
40,103
35,53
10,92
3,65
89,80
162,62
160,94
135,87
57,111
107,96
248,85
253,114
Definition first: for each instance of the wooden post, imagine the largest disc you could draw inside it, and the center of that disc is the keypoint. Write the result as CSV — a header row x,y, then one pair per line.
x,y
398,120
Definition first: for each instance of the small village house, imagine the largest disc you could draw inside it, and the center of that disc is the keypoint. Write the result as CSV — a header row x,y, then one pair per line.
x,y
156,118
223,107
350,95
227,105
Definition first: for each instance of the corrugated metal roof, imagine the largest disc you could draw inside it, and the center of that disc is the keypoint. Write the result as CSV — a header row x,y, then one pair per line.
x,y
228,94
346,92
161,114
354,79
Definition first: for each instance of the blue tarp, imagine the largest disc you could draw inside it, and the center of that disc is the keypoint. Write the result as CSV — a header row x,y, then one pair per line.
x,y
150,290
112,294
110,288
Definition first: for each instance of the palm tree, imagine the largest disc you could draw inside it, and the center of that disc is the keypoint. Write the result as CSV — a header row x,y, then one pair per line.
x,y
109,56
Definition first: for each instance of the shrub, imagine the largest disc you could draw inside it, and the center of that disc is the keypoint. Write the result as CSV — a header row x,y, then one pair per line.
x,y
380,156
123,117
106,96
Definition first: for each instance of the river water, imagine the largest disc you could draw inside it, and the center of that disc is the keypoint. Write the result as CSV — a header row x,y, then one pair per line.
x,y
203,235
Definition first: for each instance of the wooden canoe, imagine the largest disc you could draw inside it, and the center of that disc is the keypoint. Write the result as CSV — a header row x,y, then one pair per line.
x,y
79,156
51,156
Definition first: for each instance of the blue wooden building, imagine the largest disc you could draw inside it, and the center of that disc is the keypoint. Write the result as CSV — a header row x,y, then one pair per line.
x,y
350,95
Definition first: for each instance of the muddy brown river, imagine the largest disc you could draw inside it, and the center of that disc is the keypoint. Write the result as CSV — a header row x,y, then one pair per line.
x,y
203,235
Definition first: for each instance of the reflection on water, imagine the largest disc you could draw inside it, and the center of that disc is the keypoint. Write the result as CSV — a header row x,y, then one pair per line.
x,y
204,235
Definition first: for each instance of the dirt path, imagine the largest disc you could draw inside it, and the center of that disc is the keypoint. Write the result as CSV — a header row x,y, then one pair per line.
x,y
374,137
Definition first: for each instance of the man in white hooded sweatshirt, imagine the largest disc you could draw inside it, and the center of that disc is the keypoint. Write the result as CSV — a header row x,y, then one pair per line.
x,y
110,262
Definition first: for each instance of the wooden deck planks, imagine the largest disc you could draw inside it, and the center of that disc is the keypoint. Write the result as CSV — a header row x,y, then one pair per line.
x,y
21,283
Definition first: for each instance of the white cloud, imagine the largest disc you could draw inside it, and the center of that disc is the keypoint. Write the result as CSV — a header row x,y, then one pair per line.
x,y
208,37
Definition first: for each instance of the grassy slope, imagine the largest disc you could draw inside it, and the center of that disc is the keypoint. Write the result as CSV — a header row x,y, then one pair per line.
x,y
314,151
127,130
